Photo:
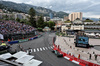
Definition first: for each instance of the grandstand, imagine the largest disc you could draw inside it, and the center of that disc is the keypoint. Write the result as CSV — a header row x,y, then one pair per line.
x,y
15,30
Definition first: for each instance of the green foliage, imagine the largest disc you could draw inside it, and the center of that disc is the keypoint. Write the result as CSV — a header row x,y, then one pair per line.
x,y
31,18
39,29
23,21
25,7
61,14
11,18
17,19
32,12
2,6
68,21
40,23
32,22
88,20
28,23
57,34
5,17
51,24
46,24
60,34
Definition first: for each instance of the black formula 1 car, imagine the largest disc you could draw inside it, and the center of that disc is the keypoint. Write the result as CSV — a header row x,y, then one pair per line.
x,y
57,53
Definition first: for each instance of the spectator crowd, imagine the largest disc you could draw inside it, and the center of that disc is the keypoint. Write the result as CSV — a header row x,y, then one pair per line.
x,y
13,27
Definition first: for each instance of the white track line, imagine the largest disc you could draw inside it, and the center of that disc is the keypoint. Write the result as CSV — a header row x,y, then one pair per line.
x,y
41,49
46,48
34,50
49,47
37,49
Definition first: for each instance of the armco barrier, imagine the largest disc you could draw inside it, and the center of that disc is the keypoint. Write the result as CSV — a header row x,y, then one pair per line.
x,y
71,58
13,42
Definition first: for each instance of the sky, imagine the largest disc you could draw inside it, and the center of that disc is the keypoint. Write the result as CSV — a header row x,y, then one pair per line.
x,y
90,8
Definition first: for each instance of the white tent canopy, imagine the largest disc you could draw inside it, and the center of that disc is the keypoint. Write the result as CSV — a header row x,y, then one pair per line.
x,y
97,33
87,33
92,34
6,56
24,59
19,54
33,62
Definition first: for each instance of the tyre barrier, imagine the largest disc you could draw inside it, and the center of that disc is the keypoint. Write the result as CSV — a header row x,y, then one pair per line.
x,y
24,40
74,59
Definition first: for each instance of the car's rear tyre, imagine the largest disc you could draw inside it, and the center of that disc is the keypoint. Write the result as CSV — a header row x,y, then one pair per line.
x,y
61,55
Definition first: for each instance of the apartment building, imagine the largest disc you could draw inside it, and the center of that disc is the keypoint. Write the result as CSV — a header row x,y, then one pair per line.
x,y
73,16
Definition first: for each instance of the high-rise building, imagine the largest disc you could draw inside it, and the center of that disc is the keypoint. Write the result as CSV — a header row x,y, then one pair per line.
x,y
46,19
51,15
73,16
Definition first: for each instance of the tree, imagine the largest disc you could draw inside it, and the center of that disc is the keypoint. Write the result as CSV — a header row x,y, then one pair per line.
x,y
17,19
46,24
40,23
11,18
32,17
68,21
23,21
6,17
51,24
88,20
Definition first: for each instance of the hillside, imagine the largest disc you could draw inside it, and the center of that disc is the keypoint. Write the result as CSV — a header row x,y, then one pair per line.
x,y
25,8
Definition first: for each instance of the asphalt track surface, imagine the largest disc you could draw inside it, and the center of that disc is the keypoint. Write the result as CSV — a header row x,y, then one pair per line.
x,y
97,47
48,58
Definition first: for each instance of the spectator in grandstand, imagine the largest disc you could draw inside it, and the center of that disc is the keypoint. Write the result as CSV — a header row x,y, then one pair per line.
x,y
12,27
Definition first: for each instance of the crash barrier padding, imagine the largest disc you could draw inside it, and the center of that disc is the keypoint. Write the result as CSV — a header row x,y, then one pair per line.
x,y
33,38
81,62
13,42
24,40
39,36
